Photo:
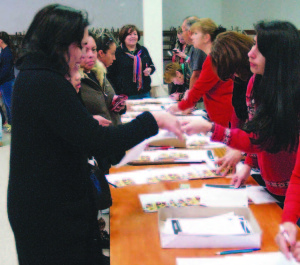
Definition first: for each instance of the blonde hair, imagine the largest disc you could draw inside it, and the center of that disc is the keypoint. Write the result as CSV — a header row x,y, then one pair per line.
x,y
170,71
208,26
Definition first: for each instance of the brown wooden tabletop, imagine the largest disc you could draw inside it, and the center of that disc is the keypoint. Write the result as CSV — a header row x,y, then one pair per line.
x,y
134,234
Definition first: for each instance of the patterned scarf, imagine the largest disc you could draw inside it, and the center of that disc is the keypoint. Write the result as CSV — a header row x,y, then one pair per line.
x,y
137,68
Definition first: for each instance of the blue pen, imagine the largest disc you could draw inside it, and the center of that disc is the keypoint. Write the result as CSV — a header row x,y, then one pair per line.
x,y
236,251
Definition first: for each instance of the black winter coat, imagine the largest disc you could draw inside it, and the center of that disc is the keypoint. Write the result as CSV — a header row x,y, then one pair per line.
x,y
120,73
50,205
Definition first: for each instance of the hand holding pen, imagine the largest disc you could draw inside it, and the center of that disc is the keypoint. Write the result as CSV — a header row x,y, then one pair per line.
x,y
286,239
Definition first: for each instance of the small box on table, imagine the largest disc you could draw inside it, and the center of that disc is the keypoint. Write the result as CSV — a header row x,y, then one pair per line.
x,y
250,240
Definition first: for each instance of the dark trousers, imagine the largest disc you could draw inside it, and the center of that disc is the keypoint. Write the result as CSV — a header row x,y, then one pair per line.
x,y
6,91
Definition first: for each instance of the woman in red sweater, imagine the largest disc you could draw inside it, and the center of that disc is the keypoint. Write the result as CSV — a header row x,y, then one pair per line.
x,y
217,94
229,56
272,134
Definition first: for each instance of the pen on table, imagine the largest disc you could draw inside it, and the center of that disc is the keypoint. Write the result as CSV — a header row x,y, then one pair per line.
x,y
236,251
112,184
159,147
285,235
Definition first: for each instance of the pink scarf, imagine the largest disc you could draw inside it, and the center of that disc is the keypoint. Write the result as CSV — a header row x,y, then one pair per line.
x,y
137,68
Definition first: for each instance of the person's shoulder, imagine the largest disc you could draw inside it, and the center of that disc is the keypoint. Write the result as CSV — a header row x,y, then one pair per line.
x,y
199,53
6,52
141,47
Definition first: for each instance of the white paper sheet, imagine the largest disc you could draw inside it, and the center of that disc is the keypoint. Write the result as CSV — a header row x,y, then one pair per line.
x,y
258,195
223,197
218,225
270,258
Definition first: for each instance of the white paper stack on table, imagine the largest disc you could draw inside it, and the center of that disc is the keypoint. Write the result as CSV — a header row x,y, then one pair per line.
x,y
208,227
143,101
179,156
225,224
223,196
176,198
172,156
270,258
206,196
147,176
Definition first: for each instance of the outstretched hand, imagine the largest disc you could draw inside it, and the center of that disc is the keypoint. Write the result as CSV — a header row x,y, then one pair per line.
x,y
240,177
168,122
229,161
195,126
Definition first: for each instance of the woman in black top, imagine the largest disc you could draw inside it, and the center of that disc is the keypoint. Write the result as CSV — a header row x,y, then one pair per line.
x,y
50,204
130,72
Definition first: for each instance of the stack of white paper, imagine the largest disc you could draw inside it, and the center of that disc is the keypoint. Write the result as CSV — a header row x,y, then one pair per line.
x,y
271,258
224,197
259,195
225,224
156,175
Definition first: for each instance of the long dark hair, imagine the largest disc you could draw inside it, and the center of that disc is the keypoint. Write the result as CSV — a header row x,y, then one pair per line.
x,y
276,93
6,39
53,29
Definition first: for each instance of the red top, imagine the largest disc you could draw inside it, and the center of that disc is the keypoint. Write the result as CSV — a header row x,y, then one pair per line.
x,y
291,210
217,95
276,169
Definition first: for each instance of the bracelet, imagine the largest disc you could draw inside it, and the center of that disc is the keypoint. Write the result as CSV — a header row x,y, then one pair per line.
x,y
211,131
186,58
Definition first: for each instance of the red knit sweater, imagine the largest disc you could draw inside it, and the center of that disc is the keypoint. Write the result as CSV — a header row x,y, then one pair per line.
x,y
217,95
291,210
276,169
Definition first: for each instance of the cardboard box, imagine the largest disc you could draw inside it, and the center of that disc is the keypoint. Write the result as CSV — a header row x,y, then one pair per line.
x,y
252,240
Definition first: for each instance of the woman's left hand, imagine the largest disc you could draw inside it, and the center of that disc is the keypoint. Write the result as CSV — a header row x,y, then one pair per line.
x,y
195,126
102,121
147,71
229,161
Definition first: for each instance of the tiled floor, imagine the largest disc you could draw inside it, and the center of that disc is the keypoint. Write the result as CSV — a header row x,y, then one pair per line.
x,y
8,255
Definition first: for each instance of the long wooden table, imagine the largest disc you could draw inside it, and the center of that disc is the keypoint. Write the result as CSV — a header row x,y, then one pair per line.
x,y
134,234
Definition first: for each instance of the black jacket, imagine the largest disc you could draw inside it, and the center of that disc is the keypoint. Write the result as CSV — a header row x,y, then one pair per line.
x,y
6,65
120,73
50,203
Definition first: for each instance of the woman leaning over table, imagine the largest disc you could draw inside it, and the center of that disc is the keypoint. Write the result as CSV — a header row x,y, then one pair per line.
x,y
272,99
230,60
217,94
51,207
130,72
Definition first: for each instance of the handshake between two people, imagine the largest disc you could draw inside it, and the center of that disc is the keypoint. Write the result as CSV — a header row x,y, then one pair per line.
x,y
196,125
167,121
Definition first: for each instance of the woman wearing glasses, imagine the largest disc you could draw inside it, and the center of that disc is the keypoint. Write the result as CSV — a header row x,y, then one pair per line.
x,y
50,204
130,72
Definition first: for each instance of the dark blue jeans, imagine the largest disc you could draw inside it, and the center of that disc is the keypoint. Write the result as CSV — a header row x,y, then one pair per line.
x,y
6,91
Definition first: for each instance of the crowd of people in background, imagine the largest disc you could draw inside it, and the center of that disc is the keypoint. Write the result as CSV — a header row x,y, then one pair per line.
x,y
71,92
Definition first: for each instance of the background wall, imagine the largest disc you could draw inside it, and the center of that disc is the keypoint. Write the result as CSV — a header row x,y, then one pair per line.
x,y
244,13
16,15
174,11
